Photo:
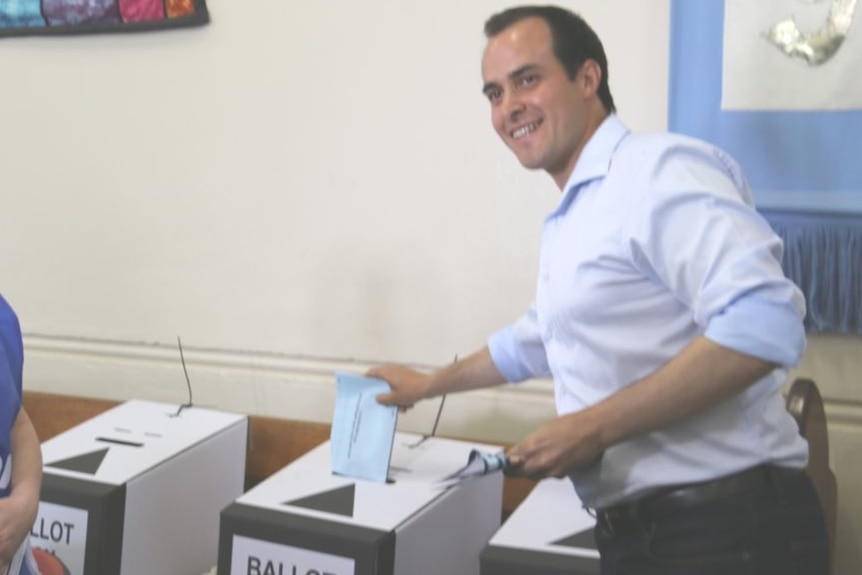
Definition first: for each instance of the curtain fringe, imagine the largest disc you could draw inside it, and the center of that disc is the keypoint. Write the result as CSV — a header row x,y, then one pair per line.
x,y
823,256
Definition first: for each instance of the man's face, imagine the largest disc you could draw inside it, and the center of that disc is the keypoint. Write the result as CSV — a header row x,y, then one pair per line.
x,y
535,108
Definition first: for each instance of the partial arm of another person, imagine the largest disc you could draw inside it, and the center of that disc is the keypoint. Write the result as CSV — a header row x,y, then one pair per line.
x,y
18,511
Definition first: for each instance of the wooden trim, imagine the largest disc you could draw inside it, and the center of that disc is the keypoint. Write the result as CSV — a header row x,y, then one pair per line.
x,y
53,414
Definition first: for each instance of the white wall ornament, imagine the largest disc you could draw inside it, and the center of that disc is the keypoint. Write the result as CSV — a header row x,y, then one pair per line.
x,y
791,55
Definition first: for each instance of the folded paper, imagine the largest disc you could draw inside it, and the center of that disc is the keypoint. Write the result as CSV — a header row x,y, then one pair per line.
x,y
478,463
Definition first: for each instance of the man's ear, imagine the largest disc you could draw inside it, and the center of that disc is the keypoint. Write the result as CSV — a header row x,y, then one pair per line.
x,y
591,77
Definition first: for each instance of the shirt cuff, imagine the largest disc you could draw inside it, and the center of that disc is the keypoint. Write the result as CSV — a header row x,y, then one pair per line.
x,y
765,329
505,352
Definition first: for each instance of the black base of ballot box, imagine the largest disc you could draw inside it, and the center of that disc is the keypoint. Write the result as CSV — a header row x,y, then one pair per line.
x,y
260,536
304,520
502,561
83,514
549,533
138,490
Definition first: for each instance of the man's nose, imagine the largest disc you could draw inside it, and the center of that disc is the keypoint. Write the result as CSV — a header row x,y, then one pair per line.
x,y
512,105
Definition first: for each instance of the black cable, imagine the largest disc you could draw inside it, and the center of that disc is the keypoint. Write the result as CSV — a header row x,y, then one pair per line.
x,y
188,382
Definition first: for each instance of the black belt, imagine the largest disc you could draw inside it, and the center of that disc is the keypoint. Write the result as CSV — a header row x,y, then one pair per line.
x,y
639,514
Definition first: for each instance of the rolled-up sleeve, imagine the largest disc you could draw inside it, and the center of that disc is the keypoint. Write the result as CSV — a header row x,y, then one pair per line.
x,y
705,241
518,351
777,333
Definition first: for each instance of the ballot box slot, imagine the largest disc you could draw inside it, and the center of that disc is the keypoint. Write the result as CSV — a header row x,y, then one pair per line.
x,y
119,442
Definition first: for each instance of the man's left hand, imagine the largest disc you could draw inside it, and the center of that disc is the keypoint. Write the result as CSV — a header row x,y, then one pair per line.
x,y
561,446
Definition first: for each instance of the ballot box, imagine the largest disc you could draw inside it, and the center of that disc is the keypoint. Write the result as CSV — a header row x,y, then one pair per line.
x,y
304,520
549,533
138,490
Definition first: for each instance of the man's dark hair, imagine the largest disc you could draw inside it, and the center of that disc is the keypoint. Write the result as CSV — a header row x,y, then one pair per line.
x,y
573,41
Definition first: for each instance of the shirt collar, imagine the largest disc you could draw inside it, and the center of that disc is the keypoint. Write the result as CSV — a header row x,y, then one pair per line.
x,y
595,159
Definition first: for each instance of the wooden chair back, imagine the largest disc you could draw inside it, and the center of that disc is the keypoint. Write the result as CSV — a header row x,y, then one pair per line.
x,y
806,405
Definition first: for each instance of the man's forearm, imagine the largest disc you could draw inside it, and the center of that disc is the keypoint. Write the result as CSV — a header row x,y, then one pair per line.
x,y
701,376
473,372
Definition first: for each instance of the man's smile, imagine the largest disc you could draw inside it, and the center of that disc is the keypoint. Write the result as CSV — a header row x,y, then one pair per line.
x,y
524,130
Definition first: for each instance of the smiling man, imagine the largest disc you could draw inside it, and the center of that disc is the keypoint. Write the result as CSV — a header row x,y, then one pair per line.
x,y
543,108
663,316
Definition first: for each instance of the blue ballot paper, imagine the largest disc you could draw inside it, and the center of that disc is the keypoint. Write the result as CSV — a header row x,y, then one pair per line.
x,y
363,431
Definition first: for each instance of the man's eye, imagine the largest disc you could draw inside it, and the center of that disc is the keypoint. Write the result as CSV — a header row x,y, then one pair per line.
x,y
493,95
527,80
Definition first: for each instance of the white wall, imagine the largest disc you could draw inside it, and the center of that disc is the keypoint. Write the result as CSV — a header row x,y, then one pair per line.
x,y
293,189
303,180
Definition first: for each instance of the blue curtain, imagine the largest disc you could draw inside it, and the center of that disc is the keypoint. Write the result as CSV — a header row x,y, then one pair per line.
x,y
804,166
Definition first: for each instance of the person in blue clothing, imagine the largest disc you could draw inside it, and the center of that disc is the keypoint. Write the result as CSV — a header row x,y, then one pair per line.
x,y
663,316
20,455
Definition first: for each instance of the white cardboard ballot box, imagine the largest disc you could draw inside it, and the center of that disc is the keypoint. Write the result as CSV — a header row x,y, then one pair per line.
x,y
138,489
549,533
304,520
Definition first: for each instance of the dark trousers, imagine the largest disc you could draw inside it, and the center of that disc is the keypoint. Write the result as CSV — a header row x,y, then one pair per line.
x,y
776,530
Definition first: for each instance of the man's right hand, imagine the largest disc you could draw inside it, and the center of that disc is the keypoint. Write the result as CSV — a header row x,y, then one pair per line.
x,y
407,385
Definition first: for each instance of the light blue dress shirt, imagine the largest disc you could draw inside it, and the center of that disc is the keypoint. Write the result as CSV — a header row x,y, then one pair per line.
x,y
655,242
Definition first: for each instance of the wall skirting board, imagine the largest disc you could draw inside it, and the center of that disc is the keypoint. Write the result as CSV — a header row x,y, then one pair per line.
x,y
255,383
